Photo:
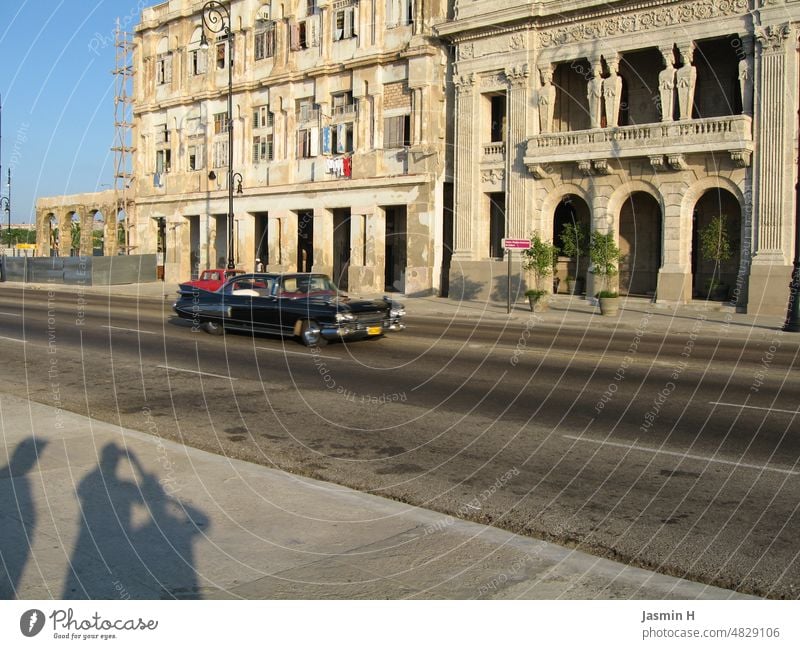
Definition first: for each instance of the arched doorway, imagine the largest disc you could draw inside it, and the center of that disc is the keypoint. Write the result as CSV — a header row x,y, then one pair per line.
x,y
571,215
75,234
123,242
52,235
716,232
98,234
640,244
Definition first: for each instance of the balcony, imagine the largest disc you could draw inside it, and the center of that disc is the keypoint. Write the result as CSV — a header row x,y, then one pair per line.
x,y
664,144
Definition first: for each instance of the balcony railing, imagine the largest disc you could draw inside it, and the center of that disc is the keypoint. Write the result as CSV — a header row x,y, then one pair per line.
x,y
494,151
691,136
348,110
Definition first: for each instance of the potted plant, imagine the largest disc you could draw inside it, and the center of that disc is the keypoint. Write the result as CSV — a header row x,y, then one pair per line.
x,y
537,299
605,255
715,245
540,260
573,240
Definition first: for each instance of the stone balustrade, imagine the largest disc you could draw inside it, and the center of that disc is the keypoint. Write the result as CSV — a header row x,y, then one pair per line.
x,y
733,134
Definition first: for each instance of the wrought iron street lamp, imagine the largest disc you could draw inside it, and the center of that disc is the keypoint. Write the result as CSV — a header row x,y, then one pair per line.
x,y
217,19
5,205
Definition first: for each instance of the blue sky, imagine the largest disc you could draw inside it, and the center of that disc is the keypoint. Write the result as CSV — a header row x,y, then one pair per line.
x,y
56,58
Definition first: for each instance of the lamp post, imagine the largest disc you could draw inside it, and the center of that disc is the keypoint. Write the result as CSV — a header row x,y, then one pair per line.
x,y
5,205
217,19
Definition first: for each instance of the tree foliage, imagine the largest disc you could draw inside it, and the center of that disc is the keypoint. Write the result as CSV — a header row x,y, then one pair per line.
x,y
540,259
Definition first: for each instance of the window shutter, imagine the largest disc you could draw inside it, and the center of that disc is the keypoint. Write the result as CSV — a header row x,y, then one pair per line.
x,y
326,140
255,149
314,148
341,138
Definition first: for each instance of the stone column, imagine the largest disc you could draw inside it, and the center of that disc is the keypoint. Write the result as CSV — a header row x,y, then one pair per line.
x,y
362,275
685,80
666,84
773,170
65,233
87,233
465,156
594,93
746,75
376,247
547,99
323,241
612,91
517,116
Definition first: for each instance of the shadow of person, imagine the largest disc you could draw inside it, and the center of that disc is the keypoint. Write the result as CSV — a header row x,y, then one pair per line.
x,y
17,514
168,538
118,558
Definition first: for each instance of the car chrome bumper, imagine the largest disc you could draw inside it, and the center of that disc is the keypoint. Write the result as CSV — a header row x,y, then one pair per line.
x,y
361,330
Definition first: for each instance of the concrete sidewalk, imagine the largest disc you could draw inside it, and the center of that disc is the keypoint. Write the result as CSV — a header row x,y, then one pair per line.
x,y
717,320
88,509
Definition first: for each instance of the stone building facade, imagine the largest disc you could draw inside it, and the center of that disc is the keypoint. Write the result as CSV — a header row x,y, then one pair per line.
x,y
338,124
647,119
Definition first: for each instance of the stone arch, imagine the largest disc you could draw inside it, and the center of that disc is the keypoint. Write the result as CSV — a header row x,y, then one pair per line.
x,y
50,246
621,194
552,201
640,235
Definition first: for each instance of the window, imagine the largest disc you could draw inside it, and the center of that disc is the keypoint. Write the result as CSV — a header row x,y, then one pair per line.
x,y
397,132
164,69
498,125
311,7
220,123
222,51
163,161
399,12
265,42
262,118
307,142
303,34
220,154
306,111
344,24
162,134
199,62
343,104
195,156
342,138
262,148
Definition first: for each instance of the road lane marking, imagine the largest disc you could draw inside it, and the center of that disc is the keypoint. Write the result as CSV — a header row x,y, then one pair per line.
x,y
137,331
16,340
741,405
685,456
180,369
306,354
13,315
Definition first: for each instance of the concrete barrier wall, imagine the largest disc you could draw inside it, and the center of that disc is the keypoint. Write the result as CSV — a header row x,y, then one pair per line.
x,y
87,271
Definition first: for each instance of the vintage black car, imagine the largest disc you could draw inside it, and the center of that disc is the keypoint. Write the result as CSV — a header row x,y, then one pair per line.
x,y
307,305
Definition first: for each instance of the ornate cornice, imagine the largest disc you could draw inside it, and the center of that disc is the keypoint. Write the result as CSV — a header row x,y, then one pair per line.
x,y
638,21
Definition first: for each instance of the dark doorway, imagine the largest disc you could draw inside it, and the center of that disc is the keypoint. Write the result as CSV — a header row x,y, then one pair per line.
x,y
260,233
712,280
161,242
447,238
305,241
194,245
497,224
396,248
572,211
639,244
341,247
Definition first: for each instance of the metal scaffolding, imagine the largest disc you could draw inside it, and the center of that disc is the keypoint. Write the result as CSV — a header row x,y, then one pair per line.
x,y
123,138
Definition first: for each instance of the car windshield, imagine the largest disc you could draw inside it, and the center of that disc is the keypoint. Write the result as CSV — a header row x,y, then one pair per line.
x,y
253,285
302,285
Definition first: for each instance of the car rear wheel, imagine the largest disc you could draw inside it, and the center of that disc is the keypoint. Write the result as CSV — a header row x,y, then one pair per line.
x,y
214,328
311,335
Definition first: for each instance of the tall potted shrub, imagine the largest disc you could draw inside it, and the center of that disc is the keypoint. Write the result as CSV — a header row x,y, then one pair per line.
x,y
715,245
573,241
540,261
605,255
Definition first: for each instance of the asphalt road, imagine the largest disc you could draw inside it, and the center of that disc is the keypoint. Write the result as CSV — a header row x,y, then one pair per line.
x,y
678,454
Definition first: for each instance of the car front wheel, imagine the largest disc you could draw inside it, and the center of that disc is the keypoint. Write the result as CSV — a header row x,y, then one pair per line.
x,y
214,328
311,334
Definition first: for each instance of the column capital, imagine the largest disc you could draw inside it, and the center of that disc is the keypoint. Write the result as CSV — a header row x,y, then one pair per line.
x,y
517,76
773,38
465,83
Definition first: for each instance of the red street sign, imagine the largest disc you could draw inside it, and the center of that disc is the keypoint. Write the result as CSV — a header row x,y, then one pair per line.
x,y
516,244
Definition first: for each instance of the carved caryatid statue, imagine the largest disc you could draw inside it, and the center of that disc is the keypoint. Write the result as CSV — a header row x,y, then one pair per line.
x,y
666,86
686,79
594,92
612,93
547,100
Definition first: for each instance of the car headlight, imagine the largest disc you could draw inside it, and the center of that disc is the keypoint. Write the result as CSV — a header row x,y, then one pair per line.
x,y
344,317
